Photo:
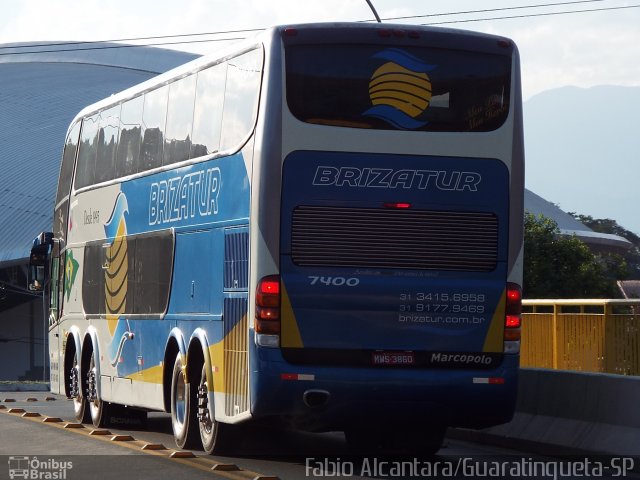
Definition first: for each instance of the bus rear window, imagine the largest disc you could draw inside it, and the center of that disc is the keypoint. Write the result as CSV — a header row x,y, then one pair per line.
x,y
407,88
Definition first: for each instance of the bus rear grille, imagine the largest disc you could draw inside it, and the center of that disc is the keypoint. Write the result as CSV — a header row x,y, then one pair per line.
x,y
394,238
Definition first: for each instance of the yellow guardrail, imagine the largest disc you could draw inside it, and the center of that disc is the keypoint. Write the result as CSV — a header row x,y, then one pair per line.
x,y
582,335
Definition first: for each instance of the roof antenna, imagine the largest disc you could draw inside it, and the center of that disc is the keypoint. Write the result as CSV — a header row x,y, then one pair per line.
x,y
375,14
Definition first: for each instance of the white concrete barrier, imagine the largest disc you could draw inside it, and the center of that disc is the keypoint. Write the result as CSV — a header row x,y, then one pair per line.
x,y
561,412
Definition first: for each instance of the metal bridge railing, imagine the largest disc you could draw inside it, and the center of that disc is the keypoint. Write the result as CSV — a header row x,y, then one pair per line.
x,y
582,335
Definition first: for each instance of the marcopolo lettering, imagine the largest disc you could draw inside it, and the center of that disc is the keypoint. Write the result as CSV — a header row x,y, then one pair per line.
x,y
184,197
447,180
461,358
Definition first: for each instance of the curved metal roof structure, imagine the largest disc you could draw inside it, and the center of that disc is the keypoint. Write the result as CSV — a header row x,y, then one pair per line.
x,y
570,226
40,93
45,85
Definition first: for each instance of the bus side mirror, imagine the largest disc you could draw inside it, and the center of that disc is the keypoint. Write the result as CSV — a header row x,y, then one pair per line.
x,y
39,261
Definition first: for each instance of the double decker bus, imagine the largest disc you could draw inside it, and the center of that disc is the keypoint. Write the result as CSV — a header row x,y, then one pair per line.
x,y
320,227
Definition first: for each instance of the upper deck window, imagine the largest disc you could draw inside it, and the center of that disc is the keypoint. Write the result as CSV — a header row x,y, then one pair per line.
x,y
192,117
398,88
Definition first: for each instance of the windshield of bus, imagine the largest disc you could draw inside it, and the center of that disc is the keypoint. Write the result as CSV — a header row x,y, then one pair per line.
x,y
400,88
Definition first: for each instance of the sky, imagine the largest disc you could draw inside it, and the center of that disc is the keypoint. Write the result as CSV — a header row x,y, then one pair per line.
x,y
580,49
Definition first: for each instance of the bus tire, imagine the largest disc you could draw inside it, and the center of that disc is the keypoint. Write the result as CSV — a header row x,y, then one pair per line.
x,y
215,436
74,382
100,410
184,412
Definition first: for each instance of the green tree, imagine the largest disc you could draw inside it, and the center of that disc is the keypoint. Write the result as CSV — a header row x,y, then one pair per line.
x,y
606,225
557,266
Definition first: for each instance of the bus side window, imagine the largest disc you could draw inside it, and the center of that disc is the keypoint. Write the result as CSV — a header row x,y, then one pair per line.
x,y
60,216
68,161
128,155
107,144
153,268
93,283
153,120
179,120
244,74
85,171
207,117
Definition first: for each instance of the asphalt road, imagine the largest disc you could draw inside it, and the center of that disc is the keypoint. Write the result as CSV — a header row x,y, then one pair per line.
x,y
31,447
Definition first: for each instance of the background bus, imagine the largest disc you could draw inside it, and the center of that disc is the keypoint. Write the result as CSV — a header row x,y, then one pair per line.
x,y
320,227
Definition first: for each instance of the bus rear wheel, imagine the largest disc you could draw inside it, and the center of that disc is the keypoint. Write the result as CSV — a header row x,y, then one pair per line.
x,y
184,413
80,410
215,436
99,409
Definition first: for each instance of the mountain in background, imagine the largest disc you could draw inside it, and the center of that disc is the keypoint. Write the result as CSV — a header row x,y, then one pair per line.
x,y
583,151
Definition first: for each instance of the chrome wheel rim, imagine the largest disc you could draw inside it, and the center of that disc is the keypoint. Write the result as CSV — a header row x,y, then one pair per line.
x,y
74,386
92,388
180,401
204,414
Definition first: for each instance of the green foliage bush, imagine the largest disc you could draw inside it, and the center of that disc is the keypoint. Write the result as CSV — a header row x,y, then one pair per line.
x,y
560,266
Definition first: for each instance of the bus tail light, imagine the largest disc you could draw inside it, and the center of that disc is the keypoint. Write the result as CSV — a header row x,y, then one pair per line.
x,y
267,324
513,318
397,205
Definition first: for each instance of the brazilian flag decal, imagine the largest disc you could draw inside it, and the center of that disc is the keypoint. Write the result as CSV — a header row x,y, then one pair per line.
x,y
71,270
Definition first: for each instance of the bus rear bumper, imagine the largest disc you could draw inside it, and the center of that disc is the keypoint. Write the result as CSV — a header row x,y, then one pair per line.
x,y
323,398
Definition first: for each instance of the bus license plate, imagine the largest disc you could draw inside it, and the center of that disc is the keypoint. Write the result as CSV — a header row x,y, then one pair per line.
x,y
393,358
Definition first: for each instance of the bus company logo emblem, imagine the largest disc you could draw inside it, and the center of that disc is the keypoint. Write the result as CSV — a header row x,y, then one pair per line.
x,y
116,264
116,279
442,180
184,197
400,89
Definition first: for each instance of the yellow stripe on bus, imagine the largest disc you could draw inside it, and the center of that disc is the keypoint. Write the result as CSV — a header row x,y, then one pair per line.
x,y
289,331
494,341
149,375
